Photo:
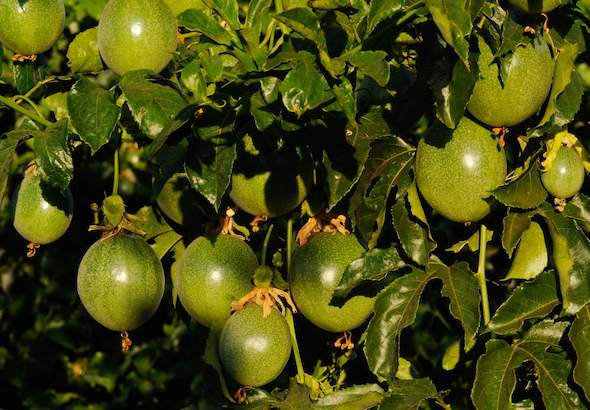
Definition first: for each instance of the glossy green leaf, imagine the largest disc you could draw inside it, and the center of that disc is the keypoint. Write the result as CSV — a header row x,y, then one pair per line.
x,y
461,288
8,143
531,255
193,79
152,105
93,113
346,98
345,156
305,22
514,225
83,54
530,300
304,88
370,63
395,309
27,74
150,223
380,10
578,208
57,103
413,235
527,192
452,85
228,10
579,336
53,156
452,356
351,398
409,394
258,12
375,265
163,243
454,23
197,20
472,243
389,161
177,252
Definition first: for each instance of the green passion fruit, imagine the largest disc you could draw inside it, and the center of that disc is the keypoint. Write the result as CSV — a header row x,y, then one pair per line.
x,y
565,177
136,35
523,89
32,26
42,214
179,201
179,6
254,350
316,270
269,184
535,6
121,282
456,170
214,272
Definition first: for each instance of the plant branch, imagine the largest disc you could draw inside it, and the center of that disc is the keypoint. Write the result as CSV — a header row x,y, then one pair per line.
x,y
13,105
481,273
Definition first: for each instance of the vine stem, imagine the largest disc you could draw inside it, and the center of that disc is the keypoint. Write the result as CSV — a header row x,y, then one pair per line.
x,y
265,244
116,172
12,104
289,316
481,273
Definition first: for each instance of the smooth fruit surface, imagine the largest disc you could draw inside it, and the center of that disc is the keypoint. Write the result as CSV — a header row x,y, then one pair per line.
x,y
252,349
214,272
523,90
455,173
535,6
42,214
178,6
31,26
316,270
566,176
271,185
179,201
136,34
121,282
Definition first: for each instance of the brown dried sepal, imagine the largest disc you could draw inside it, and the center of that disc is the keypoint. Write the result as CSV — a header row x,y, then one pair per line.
x,y
21,58
345,342
126,342
501,132
241,395
322,223
559,204
32,249
267,298
228,225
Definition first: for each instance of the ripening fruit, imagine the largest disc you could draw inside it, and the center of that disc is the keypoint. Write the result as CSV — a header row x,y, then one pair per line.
x,y
179,201
316,271
179,6
121,282
566,176
523,89
32,26
42,214
254,350
535,6
456,172
136,35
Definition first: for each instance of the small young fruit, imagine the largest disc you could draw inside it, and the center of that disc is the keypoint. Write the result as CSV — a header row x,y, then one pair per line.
x,y
121,282
523,89
456,173
32,26
271,185
316,270
566,176
136,35
535,6
213,273
252,349
42,214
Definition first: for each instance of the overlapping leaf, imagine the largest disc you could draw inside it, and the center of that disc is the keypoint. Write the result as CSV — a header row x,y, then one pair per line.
x,y
527,192
53,155
579,335
514,225
409,394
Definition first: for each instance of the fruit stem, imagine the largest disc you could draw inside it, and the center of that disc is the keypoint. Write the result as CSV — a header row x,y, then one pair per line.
x,y
296,354
481,273
265,244
289,245
116,172
12,104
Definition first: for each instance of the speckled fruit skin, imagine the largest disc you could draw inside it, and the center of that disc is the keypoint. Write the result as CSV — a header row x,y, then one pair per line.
x,y
252,349
566,176
535,6
121,282
214,272
526,85
456,172
178,200
31,27
136,34
178,6
42,214
316,270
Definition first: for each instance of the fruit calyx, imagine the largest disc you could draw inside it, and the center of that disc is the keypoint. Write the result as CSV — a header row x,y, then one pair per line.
x,y
115,219
322,222
228,226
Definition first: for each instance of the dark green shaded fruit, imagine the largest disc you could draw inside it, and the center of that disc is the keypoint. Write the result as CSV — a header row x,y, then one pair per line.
x,y
457,170
42,214
179,201
32,26
523,91
535,6
316,270
252,349
121,282
566,176
214,272
136,35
